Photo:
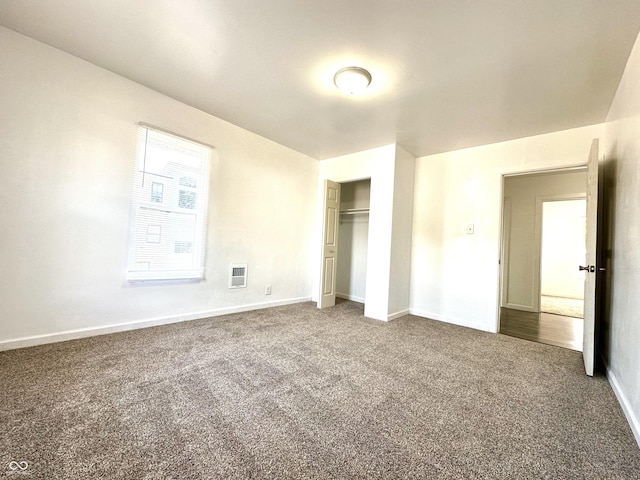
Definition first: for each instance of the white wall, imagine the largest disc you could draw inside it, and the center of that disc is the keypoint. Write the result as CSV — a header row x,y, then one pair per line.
x,y
377,164
67,151
455,276
563,248
353,239
400,275
621,323
524,196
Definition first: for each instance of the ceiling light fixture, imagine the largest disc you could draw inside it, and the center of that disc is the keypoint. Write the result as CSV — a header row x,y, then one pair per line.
x,y
352,80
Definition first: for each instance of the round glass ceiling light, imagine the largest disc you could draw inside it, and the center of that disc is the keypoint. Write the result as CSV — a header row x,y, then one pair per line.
x,y
352,80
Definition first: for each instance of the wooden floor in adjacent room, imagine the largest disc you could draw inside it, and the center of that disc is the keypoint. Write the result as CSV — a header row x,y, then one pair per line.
x,y
545,328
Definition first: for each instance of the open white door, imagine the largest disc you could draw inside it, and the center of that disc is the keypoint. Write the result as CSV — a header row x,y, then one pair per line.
x,y
331,214
591,267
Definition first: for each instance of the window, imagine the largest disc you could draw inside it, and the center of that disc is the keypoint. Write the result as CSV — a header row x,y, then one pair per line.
x,y
157,190
169,208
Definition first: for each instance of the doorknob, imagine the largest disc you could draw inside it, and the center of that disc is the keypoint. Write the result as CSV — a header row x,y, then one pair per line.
x,y
588,268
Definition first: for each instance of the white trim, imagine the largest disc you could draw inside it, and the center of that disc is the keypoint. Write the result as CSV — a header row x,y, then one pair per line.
x,y
401,313
634,422
578,167
353,298
173,134
524,308
504,250
136,324
451,320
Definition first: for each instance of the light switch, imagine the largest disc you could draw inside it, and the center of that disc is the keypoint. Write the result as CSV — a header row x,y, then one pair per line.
x,y
470,229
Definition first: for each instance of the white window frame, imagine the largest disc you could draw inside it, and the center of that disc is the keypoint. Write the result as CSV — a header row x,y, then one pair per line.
x,y
174,248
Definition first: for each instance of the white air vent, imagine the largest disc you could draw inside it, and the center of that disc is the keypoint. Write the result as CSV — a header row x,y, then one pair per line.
x,y
238,275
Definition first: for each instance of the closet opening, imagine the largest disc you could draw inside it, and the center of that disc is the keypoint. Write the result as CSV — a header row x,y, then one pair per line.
x,y
353,239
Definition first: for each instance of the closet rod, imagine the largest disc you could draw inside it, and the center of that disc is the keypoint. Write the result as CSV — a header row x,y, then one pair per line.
x,y
354,211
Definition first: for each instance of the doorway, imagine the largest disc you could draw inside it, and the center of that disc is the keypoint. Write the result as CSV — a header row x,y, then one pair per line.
x,y
562,249
537,212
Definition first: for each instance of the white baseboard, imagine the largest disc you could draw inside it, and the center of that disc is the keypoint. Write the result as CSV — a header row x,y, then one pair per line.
x,y
391,316
634,421
136,324
353,298
454,321
517,306
401,313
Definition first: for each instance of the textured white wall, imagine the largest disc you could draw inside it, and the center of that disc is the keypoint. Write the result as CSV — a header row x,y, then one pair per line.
x,y
455,276
67,151
621,324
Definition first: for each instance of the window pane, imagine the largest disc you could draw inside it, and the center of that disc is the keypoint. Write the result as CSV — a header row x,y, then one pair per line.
x,y
157,189
169,202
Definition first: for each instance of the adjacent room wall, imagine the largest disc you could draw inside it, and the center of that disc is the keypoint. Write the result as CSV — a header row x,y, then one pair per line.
x,y
455,275
620,325
67,151
523,196
563,248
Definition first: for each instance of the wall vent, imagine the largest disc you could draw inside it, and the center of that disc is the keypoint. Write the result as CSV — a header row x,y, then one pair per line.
x,y
238,275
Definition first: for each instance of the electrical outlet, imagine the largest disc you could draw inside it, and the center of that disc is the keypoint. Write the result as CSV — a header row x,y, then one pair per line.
x,y
267,289
470,229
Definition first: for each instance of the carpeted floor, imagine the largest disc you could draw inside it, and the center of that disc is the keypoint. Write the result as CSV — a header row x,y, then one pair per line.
x,y
292,392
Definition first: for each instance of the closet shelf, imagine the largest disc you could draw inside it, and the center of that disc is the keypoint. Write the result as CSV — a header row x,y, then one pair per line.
x,y
354,211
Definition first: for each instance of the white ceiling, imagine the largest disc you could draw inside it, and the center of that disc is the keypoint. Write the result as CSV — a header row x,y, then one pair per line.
x,y
447,74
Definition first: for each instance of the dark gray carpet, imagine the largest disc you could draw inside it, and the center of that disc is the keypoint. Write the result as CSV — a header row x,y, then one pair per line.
x,y
292,392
